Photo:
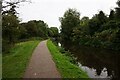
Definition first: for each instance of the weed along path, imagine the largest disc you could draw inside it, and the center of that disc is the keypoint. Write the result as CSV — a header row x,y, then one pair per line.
x,y
41,64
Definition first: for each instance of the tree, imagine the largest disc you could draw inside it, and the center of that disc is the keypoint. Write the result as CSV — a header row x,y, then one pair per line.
x,y
84,25
34,28
42,29
118,3
10,26
99,31
102,18
93,25
118,11
53,32
84,21
23,31
69,21
112,15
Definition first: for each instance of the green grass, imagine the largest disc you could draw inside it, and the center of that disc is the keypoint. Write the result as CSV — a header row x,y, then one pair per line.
x,y
15,62
65,67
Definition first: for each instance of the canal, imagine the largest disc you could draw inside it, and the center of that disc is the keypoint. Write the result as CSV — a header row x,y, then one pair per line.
x,y
97,62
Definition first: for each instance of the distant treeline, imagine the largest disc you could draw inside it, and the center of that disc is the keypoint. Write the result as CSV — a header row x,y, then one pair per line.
x,y
100,31
14,31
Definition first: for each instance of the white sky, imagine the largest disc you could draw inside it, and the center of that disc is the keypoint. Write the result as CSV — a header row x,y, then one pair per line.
x,y
50,10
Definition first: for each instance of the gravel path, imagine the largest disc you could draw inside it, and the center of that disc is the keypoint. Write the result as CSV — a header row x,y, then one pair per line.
x,y
41,64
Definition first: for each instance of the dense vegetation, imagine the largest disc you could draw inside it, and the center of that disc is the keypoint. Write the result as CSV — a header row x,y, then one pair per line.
x,y
14,63
64,63
14,31
99,31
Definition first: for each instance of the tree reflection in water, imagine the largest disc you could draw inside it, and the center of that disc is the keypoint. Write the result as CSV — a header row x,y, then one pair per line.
x,y
98,63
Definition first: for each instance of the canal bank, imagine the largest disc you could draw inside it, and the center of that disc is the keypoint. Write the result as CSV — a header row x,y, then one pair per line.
x,y
63,62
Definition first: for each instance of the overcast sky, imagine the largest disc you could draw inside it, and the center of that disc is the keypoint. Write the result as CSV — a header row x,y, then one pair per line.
x,y
50,10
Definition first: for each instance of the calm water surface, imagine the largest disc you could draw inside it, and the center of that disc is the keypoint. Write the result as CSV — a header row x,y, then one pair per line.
x,y
98,63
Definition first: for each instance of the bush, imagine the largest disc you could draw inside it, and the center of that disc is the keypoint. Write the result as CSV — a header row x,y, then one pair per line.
x,y
69,55
6,46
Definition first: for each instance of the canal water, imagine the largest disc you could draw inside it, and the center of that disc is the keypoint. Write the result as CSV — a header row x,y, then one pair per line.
x,y
98,63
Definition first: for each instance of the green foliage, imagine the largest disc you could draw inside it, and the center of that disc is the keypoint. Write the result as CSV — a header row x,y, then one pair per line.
x,y
117,14
13,31
112,24
10,26
34,28
118,3
14,63
112,15
102,18
99,31
69,21
53,32
84,21
64,63
93,26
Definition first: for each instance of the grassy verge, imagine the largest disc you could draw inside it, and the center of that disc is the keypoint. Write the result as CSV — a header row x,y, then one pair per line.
x,y
14,63
64,65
